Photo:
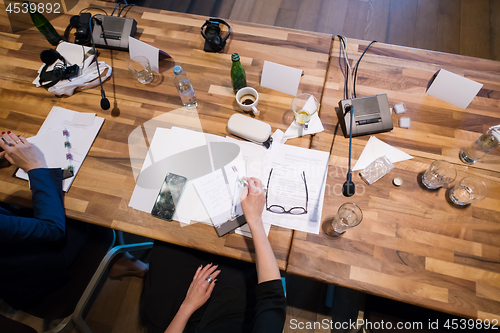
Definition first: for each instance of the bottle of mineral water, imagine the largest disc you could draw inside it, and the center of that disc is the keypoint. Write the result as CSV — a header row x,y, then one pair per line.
x,y
184,87
482,146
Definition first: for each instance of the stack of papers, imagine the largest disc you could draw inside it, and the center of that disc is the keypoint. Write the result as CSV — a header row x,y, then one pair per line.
x,y
82,128
213,164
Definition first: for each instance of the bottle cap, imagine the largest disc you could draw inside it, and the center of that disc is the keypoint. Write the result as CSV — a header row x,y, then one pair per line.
x,y
398,181
235,57
177,70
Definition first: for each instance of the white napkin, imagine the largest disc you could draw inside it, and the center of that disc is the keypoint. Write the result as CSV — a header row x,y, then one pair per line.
x,y
278,136
374,149
295,130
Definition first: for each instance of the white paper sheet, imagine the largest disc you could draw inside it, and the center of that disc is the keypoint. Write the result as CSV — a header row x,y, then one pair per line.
x,y
148,184
138,48
81,138
190,207
281,78
278,137
51,145
454,89
296,130
286,186
376,148
83,119
215,194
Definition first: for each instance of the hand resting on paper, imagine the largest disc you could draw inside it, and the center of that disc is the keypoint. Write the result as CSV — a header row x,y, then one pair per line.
x,y
19,152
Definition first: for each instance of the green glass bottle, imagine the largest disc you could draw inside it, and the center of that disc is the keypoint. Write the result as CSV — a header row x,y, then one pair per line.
x,y
238,76
43,25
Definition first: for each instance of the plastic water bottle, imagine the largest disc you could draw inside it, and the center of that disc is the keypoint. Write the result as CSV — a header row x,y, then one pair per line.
x,y
184,87
482,146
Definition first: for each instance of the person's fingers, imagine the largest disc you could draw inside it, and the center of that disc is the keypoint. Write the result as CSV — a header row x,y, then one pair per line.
x,y
258,185
205,268
2,153
3,143
23,140
8,158
251,186
209,272
210,288
8,139
13,137
197,272
244,192
258,182
214,274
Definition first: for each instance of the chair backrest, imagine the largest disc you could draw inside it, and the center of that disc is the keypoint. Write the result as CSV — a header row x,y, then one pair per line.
x,y
12,326
62,301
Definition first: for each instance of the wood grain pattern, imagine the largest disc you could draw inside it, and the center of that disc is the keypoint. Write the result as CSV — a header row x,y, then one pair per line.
x,y
104,185
453,26
412,245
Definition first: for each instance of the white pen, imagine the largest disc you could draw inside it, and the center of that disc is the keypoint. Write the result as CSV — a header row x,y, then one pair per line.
x,y
239,184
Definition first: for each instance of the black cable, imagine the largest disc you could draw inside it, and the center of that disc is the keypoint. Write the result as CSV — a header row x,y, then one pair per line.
x,y
356,68
94,8
345,69
129,6
117,5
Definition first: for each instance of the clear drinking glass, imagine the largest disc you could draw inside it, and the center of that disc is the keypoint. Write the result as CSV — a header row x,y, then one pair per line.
x,y
304,106
469,189
439,173
348,216
140,67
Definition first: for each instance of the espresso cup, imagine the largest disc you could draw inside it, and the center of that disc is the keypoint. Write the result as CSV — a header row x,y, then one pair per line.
x,y
247,98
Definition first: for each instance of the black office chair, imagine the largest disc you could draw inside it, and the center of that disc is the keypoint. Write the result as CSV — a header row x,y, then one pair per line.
x,y
12,326
71,300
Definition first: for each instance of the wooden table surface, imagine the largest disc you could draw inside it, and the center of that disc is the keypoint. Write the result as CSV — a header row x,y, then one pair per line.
x,y
412,245
102,189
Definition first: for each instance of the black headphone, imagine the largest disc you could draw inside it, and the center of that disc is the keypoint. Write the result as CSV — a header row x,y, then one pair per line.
x,y
59,72
213,42
82,33
49,57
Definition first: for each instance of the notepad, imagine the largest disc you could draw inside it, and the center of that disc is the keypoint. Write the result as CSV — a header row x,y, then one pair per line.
x,y
50,140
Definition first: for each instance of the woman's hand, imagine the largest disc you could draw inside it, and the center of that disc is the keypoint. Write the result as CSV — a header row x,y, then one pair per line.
x,y
253,200
200,289
19,152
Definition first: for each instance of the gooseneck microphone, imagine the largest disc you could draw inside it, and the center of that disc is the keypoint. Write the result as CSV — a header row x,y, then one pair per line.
x,y
105,105
348,189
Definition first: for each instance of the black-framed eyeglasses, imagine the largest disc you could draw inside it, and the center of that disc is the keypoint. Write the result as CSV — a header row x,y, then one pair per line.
x,y
280,209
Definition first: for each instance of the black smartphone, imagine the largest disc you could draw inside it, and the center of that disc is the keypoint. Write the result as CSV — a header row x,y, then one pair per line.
x,y
168,198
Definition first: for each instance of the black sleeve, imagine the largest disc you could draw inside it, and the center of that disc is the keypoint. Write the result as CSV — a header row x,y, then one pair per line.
x,y
270,309
48,223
